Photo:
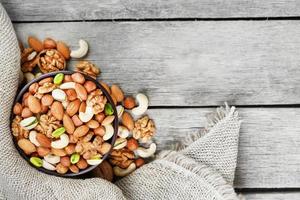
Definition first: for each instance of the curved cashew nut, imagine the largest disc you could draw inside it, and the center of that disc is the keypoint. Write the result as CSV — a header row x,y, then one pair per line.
x,y
32,138
48,166
124,172
59,95
61,143
145,153
52,159
143,104
87,115
123,132
81,51
67,85
109,132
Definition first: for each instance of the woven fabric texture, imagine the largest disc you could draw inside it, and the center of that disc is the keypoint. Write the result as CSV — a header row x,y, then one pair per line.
x,y
204,169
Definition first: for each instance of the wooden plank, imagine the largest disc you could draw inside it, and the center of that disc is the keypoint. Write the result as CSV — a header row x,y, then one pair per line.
x,y
269,153
35,10
191,63
272,195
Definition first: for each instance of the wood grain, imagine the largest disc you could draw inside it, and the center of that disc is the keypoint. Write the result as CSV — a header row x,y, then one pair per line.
x,y
272,195
35,10
200,63
269,153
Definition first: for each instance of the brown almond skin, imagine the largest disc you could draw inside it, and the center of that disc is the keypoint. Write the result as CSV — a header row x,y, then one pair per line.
x,y
100,131
26,146
68,124
65,161
100,117
49,43
117,93
78,78
129,103
34,104
76,120
81,91
42,151
58,152
127,121
63,49
90,86
43,140
106,87
82,164
139,162
81,131
70,149
73,107
92,124
74,169
47,100
17,109
57,110
71,94
33,88
114,99
26,113
35,43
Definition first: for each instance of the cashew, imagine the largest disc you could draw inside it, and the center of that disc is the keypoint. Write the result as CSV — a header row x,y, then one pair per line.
x,y
28,76
59,95
81,51
32,138
120,110
124,172
145,153
143,104
67,85
109,132
61,143
123,132
52,159
120,143
48,166
87,115
94,161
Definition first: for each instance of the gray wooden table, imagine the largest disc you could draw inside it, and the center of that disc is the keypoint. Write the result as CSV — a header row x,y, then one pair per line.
x,y
190,56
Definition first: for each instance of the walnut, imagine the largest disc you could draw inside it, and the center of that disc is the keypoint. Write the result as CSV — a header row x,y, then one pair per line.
x,y
97,101
86,149
88,68
121,158
144,129
28,59
51,60
46,88
17,130
47,124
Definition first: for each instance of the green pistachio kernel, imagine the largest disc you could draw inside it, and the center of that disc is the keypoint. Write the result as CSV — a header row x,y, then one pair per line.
x,y
58,132
108,109
58,78
36,161
74,158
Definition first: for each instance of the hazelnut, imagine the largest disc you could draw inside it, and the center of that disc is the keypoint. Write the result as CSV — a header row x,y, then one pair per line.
x,y
99,131
26,112
82,164
17,109
74,169
70,149
42,151
139,162
129,103
90,86
132,144
61,169
100,117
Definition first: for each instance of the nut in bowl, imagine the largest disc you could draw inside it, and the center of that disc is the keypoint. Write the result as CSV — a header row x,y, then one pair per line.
x,y
55,125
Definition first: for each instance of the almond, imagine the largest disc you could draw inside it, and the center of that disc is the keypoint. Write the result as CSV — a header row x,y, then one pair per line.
x,y
63,49
105,147
92,124
17,109
100,131
90,86
71,94
42,151
73,107
49,43
26,113
35,43
34,104
117,93
106,87
58,152
68,78
47,100
78,78
113,98
129,103
108,120
82,164
57,110
70,149
81,92
81,131
127,120
82,107
46,80
43,140
76,120
26,146
68,124
33,88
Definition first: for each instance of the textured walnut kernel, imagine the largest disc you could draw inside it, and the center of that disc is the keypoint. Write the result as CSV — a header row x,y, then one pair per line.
x,y
121,158
28,59
97,101
144,129
48,124
88,68
51,60
46,88
17,130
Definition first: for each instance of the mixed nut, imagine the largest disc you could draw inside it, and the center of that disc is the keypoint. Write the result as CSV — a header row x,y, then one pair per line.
x,y
64,122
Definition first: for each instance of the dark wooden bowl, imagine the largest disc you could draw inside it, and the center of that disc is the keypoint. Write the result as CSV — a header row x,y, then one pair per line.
x,y
112,140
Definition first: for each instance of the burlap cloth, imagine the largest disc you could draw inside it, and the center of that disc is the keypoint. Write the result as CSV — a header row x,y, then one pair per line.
x,y
204,169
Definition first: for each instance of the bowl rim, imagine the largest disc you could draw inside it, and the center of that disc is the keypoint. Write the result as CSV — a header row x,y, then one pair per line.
x,y
107,95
